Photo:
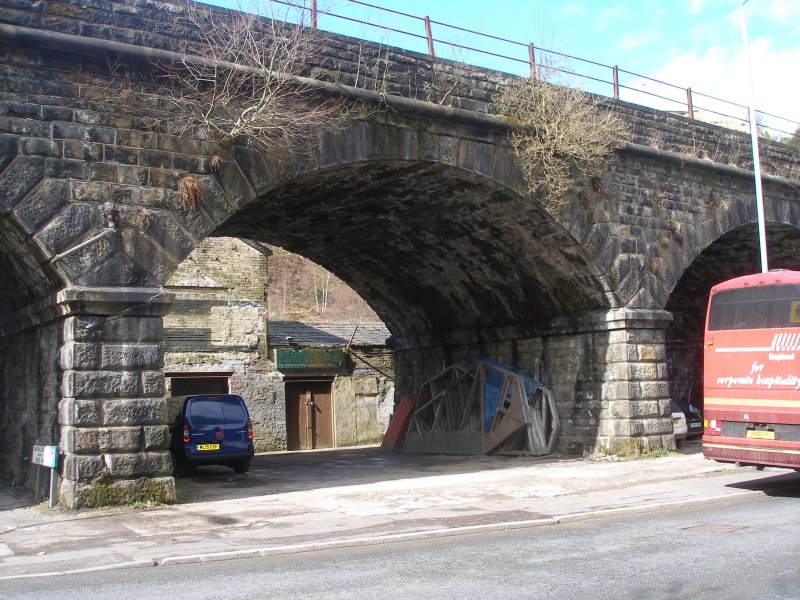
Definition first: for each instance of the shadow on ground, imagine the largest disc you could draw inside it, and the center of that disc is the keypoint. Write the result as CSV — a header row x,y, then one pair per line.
x,y
785,483
282,472
13,497
278,473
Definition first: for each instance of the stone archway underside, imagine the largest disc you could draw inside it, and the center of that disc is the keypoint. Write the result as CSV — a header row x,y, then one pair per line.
x,y
24,281
432,248
30,376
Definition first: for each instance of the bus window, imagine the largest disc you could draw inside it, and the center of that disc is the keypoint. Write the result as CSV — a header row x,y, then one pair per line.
x,y
761,307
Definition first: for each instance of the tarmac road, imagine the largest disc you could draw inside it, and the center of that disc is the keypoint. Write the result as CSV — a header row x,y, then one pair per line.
x,y
300,502
735,550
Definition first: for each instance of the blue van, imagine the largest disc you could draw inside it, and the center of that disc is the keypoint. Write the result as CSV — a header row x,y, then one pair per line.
x,y
212,430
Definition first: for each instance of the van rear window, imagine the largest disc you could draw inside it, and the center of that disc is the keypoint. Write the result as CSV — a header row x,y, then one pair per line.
x,y
204,412
234,412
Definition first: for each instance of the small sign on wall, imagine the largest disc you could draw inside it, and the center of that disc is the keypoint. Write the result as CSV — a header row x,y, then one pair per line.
x,y
309,358
47,456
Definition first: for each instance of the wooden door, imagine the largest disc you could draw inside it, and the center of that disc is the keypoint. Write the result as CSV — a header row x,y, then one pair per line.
x,y
309,415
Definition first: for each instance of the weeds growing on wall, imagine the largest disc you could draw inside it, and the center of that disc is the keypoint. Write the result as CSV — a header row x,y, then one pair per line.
x,y
563,133
190,192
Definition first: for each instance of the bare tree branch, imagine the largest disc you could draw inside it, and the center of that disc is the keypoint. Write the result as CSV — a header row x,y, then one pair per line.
x,y
238,78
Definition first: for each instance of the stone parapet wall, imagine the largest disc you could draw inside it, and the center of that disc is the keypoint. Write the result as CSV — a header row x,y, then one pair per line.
x,y
367,65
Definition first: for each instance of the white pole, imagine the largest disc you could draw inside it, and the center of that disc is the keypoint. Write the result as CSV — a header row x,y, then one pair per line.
x,y
762,232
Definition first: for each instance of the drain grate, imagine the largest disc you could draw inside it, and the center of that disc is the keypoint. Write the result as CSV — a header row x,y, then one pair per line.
x,y
714,528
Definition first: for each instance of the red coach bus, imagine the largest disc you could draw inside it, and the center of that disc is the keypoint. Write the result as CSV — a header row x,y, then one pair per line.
x,y
752,371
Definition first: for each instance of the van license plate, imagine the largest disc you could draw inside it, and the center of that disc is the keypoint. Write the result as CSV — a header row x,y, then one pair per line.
x,y
208,446
760,434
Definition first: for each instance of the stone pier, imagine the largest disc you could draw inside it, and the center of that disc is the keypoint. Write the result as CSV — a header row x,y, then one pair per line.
x,y
113,414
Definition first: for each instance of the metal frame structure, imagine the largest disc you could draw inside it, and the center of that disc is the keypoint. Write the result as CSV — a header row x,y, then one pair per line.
x,y
455,414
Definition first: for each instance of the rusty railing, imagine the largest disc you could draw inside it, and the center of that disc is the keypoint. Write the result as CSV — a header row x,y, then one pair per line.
x,y
521,59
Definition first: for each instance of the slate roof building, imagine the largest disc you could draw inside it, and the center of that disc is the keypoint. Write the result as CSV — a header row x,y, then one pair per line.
x,y
338,382
307,385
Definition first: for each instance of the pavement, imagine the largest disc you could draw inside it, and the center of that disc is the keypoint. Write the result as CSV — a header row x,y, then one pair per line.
x,y
302,502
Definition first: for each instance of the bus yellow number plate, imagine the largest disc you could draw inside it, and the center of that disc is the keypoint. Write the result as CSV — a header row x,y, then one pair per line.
x,y
759,434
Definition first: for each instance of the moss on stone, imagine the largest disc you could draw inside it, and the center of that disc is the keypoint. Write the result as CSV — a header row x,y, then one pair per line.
x,y
623,448
636,449
105,492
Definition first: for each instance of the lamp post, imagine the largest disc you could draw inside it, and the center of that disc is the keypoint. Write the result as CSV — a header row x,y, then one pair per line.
x,y
762,233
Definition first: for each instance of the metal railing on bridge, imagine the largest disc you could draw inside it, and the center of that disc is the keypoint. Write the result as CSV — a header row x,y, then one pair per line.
x,y
424,35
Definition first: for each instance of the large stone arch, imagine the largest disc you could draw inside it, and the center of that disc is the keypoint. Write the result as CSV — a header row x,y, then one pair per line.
x,y
435,232
492,259
456,262
436,247
660,210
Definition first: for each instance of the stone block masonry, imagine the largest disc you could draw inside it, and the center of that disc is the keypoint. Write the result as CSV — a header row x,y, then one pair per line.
x,y
113,414
218,324
364,399
607,372
419,206
29,397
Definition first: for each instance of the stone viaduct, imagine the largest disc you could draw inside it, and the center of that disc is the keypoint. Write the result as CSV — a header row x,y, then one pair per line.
x,y
419,206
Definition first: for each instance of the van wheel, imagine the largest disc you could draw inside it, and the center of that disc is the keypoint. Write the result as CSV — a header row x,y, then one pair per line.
x,y
241,466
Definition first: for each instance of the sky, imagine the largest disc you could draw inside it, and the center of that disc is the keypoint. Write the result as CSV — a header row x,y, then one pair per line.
x,y
687,43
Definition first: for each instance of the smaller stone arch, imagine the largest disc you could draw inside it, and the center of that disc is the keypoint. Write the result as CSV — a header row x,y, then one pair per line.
x,y
732,254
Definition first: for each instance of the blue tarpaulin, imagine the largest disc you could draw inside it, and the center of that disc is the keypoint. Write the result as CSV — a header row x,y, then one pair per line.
x,y
493,386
